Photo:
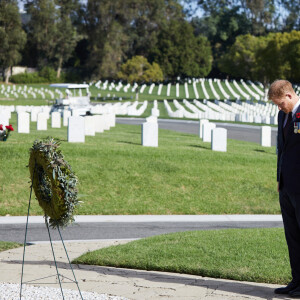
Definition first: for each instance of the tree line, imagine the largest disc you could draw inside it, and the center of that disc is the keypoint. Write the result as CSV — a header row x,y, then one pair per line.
x,y
156,40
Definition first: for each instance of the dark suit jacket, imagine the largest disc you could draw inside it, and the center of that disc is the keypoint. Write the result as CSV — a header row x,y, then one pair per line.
x,y
288,156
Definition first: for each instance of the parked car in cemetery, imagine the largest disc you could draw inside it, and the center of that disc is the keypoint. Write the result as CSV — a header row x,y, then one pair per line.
x,y
75,97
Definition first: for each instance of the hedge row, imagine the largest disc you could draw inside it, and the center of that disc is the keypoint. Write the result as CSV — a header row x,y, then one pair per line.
x,y
46,75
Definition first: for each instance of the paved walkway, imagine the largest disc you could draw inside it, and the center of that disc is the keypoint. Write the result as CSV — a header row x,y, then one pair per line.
x,y
39,268
132,284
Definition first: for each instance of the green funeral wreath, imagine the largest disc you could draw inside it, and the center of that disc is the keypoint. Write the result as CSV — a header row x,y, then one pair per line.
x,y
53,181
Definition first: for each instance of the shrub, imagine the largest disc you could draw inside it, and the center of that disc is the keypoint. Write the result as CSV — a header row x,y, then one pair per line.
x,y
49,74
27,78
46,75
138,69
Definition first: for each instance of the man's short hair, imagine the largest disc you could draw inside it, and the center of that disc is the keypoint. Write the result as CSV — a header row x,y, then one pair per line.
x,y
278,89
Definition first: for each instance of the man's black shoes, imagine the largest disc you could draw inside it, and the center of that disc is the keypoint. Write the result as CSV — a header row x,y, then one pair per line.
x,y
295,293
291,287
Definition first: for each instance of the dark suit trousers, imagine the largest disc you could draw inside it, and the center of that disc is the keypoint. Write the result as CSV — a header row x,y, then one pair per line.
x,y
290,209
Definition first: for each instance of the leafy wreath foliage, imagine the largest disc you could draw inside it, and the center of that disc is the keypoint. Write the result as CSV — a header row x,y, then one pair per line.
x,y
54,182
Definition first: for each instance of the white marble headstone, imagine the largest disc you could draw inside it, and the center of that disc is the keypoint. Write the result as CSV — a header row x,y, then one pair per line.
x,y
99,123
89,122
76,130
257,119
219,139
151,119
106,122
23,122
265,136
268,120
41,121
150,134
201,122
155,112
33,114
272,120
75,113
112,120
56,119
4,118
206,134
66,115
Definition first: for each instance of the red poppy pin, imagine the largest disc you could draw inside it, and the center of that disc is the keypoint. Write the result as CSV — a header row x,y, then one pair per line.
x,y
298,115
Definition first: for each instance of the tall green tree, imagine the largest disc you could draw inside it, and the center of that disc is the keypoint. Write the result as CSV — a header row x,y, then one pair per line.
x,y
66,35
12,36
241,61
105,21
148,19
292,19
118,30
221,30
51,30
264,58
42,29
262,14
281,56
224,20
180,53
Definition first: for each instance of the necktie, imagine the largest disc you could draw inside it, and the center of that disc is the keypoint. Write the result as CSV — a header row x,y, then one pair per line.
x,y
286,127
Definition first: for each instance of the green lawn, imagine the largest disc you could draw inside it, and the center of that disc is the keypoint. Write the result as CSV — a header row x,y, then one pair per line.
x,y
258,255
119,176
8,245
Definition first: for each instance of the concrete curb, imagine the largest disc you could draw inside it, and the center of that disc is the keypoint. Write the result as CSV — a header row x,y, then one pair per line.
x,y
148,218
130,283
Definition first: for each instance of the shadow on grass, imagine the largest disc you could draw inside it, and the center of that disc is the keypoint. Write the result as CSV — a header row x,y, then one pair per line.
x,y
189,135
200,146
252,289
264,151
134,132
130,143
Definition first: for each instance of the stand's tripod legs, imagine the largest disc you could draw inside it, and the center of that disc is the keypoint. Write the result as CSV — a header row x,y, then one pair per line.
x,y
26,231
69,261
47,225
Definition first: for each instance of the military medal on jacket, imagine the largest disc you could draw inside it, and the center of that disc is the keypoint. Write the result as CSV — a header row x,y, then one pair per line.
x,y
297,123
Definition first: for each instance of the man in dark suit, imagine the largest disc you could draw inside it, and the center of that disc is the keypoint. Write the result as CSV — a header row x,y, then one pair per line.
x,y
283,95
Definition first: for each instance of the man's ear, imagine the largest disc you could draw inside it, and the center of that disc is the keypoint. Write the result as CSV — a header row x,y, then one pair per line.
x,y
288,95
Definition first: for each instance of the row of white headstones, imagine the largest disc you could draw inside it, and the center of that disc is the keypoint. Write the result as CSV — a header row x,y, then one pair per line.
x,y
28,92
255,91
125,108
262,113
207,131
218,136
265,113
78,126
235,91
210,134
230,111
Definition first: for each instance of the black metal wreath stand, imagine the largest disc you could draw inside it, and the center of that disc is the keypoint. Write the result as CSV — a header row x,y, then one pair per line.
x,y
47,226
